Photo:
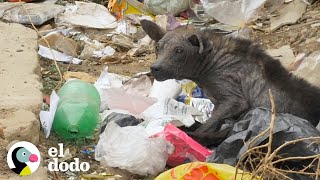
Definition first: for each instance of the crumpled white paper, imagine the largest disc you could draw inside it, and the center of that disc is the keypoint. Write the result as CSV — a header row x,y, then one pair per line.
x,y
47,117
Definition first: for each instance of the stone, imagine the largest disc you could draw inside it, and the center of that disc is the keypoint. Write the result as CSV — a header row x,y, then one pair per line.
x,y
39,13
60,43
11,144
289,13
20,95
39,174
284,54
79,75
20,125
309,69
123,41
309,2
4,6
315,25
45,27
16,68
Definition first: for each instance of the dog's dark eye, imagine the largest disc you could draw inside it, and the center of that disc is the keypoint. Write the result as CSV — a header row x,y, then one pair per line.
x,y
179,50
157,47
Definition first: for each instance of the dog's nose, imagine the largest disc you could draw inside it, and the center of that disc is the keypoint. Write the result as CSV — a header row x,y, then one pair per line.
x,y
155,68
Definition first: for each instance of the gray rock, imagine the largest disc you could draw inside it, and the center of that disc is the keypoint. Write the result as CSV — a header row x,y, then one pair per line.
x,y
309,69
39,13
7,6
284,54
289,14
21,125
309,2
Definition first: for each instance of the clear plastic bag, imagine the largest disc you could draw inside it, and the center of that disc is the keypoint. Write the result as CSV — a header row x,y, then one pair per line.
x,y
233,12
165,89
131,148
167,6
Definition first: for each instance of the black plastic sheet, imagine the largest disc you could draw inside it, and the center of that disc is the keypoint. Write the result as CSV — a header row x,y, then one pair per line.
x,y
287,128
121,119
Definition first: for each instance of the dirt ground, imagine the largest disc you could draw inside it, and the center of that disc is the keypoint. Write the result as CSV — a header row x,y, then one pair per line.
x,y
301,37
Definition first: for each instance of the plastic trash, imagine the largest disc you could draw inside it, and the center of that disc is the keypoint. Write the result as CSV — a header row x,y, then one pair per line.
x,y
190,90
105,52
165,89
59,42
87,150
140,86
236,12
122,120
201,170
89,49
88,15
169,109
203,105
108,80
130,148
116,98
47,117
286,128
126,27
78,110
55,55
121,7
182,148
167,6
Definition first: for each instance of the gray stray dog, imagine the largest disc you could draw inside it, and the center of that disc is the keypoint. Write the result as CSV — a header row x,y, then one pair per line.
x,y
235,73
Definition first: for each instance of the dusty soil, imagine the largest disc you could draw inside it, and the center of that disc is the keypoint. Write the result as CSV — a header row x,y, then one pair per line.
x,y
302,37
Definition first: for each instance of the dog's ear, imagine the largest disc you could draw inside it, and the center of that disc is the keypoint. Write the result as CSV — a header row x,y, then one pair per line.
x,y
203,45
152,29
196,41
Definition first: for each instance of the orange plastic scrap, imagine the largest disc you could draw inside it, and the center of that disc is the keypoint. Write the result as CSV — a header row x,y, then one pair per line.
x,y
203,171
121,7
117,7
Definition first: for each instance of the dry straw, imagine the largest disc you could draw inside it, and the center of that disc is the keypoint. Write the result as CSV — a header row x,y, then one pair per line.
x,y
261,164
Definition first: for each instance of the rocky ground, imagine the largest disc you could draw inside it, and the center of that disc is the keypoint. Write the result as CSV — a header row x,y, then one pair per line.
x,y
302,37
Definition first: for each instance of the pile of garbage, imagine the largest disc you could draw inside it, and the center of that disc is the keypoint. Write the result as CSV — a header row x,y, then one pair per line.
x,y
140,124
141,121
138,120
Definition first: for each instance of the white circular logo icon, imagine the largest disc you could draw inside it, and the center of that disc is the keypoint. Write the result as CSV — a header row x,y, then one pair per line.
x,y
23,158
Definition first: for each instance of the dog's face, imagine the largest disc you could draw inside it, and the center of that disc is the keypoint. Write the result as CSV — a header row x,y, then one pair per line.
x,y
178,52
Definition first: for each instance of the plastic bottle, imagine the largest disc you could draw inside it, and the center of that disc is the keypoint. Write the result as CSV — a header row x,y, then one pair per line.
x,y
78,110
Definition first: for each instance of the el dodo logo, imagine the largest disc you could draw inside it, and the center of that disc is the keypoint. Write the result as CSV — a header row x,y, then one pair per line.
x,y
23,158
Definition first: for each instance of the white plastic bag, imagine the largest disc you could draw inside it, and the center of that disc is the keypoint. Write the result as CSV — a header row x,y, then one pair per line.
x,y
167,6
138,86
131,148
105,81
117,98
233,12
170,109
46,117
165,89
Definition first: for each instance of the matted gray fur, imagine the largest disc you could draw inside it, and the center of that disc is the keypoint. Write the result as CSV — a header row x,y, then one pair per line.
x,y
235,73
